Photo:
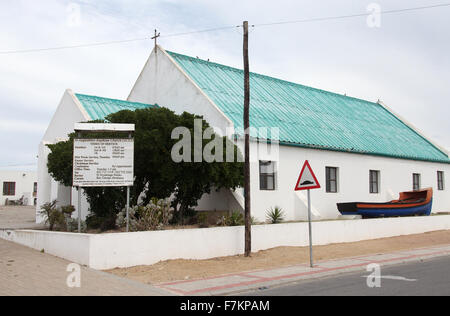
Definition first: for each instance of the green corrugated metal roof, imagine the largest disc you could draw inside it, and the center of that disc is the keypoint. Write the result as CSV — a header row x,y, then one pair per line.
x,y
98,108
307,116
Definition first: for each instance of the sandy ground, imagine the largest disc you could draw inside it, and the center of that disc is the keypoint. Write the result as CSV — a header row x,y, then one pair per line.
x,y
18,217
174,270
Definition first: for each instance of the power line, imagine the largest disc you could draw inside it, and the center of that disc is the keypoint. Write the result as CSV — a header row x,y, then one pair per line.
x,y
71,46
18,165
112,42
203,31
319,19
352,15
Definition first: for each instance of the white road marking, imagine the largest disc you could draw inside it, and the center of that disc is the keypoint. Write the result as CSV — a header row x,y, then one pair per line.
x,y
392,277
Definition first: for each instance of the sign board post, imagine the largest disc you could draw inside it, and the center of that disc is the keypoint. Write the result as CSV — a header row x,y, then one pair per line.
x,y
79,200
103,162
308,181
128,197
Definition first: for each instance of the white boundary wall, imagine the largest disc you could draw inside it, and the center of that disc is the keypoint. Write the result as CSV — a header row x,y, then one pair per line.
x,y
110,251
72,247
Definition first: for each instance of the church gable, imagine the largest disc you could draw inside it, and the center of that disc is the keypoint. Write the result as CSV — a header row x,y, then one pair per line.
x,y
164,82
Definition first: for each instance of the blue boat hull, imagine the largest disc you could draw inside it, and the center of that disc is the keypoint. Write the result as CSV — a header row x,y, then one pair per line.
x,y
422,210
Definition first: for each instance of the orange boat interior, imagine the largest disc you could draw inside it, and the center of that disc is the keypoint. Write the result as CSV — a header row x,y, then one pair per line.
x,y
406,199
415,196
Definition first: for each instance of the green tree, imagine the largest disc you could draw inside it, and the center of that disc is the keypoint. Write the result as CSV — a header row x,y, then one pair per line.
x,y
156,174
197,178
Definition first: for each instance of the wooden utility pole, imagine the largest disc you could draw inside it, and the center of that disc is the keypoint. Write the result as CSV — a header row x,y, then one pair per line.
x,y
248,228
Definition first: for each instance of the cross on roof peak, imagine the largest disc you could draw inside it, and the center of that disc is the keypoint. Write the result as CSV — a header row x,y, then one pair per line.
x,y
155,37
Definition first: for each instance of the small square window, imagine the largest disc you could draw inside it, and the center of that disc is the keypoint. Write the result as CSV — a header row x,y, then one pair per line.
x,y
9,188
267,175
331,179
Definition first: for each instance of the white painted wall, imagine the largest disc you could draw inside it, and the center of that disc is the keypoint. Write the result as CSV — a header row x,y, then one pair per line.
x,y
215,201
24,185
353,181
223,200
110,251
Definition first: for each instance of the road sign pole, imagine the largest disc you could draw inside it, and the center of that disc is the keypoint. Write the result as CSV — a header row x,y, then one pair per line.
x,y
308,181
310,231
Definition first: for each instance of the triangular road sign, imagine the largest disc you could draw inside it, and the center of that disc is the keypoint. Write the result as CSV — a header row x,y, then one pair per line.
x,y
307,179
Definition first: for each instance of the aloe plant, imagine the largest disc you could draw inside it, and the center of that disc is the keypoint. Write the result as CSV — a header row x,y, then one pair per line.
x,y
275,215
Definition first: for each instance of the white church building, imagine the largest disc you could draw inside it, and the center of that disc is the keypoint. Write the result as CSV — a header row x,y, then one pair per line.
x,y
359,150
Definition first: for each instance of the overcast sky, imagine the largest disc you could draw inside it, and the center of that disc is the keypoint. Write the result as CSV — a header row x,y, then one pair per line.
x,y
404,62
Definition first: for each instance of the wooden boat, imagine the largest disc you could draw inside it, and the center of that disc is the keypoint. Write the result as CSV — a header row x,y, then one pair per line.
x,y
409,204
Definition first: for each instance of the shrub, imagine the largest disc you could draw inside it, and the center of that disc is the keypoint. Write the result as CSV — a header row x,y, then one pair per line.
x,y
121,220
72,225
186,217
202,220
105,223
235,219
104,204
221,221
53,217
68,210
275,215
60,218
153,216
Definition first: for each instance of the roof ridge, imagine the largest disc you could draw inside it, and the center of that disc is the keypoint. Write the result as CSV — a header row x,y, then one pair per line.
x,y
112,99
99,107
271,78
